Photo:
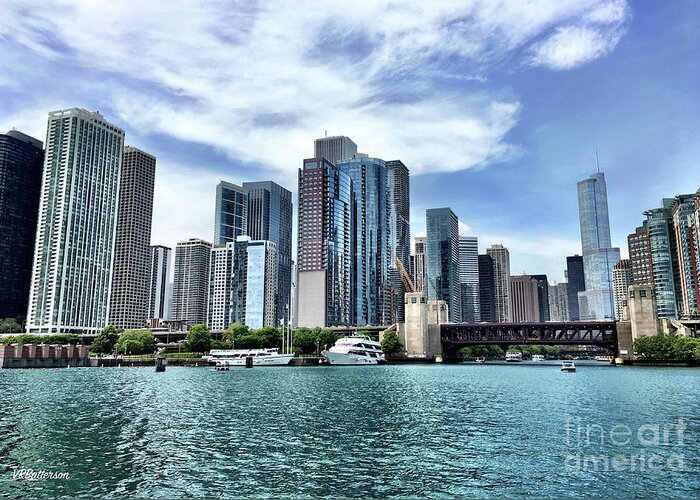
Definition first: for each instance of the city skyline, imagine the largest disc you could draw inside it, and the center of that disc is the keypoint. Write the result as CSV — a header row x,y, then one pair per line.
x,y
521,135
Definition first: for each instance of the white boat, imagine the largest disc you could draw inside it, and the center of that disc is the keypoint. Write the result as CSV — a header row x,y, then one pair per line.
x,y
354,351
537,357
568,366
261,357
480,359
514,356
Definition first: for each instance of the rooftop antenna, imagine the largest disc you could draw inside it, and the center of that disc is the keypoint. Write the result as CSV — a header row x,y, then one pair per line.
x,y
597,162
326,133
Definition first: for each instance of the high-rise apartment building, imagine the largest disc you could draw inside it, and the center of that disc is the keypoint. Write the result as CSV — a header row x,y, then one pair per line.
x,y
372,253
524,299
418,263
599,258
231,213
469,278
559,302
501,271
639,246
487,289
129,299
442,259
664,267
325,245
335,149
542,295
576,283
622,279
684,227
21,166
159,290
398,184
74,251
191,281
270,215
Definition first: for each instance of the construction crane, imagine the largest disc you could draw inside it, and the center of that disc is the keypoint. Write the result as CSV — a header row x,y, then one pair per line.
x,y
410,287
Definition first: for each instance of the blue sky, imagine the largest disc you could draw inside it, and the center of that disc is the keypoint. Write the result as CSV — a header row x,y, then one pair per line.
x,y
496,107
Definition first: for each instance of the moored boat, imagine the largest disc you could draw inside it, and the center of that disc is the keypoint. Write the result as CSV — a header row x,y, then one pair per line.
x,y
514,356
480,360
537,357
261,357
354,351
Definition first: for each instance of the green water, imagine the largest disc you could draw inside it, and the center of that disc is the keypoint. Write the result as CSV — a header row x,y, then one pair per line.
x,y
424,430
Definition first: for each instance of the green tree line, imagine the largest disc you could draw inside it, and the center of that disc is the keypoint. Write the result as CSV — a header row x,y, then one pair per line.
x,y
667,347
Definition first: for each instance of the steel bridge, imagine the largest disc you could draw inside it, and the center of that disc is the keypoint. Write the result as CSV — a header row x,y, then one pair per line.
x,y
455,336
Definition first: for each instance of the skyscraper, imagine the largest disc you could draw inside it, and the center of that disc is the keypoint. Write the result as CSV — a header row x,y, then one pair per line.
x,y
260,283
231,213
501,271
418,263
191,281
21,165
325,245
596,302
639,246
270,215
372,253
129,299
74,251
487,289
542,295
524,299
683,214
622,279
576,283
559,302
335,149
398,184
442,259
469,278
159,290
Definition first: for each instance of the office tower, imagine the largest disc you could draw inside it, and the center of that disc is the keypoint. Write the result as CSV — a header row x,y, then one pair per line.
x,y
487,289
270,219
639,246
576,283
21,165
442,259
335,149
372,253
231,213
596,302
542,295
242,284
501,271
469,278
129,299
325,245
74,251
398,184
622,279
191,281
683,215
418,263
524,299
159,289
559,302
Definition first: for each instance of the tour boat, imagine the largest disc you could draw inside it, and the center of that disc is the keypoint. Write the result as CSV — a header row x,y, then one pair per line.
x,y
354,351
514,356
568,366
537,357
480,359
261,357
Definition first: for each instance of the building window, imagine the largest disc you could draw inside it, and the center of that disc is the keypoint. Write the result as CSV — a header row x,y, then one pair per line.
x,y
642,293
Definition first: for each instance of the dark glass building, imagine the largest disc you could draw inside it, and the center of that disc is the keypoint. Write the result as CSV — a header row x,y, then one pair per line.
x,y
577,283
542,295
231,215
442,259
487,289
21,167
399,232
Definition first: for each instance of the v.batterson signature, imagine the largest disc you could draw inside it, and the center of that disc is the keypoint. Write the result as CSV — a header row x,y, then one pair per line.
x,y
37,475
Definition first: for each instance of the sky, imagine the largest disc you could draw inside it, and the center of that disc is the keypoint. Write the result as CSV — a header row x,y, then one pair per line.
x,y
496,107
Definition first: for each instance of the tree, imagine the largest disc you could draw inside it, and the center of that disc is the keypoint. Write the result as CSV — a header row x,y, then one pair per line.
x,y
106,340
687,349
391,344
10,325
135,342
655,347
198,339
304,341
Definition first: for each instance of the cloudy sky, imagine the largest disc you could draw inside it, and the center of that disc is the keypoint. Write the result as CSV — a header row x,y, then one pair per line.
x,y
496,107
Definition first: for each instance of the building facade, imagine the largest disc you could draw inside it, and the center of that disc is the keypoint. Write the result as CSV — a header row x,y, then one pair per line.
x,y
335,149
418,263
684,227
596,301
659,224
74,250
129,300
487,289
501,270
525,299
326,246
559,302
542,295
469,278
576,283
21,167
398,184
442,260
191,281
622,279
231,213
160,288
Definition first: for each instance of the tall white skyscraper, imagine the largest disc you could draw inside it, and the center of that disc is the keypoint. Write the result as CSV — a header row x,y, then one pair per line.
x,y
129,300
469,278
159,289
191,281
74,251
502,282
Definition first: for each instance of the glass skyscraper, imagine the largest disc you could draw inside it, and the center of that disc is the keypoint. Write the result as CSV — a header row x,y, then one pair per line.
x,y
231,215
442,259
663,268
599,258
372,229
399,231
576,283
469,278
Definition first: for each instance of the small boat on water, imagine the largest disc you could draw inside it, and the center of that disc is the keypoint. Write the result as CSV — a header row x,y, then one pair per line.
x,y
354,351
480,360
568,366
537,357
514,357
221,366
